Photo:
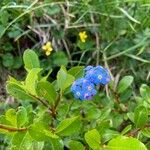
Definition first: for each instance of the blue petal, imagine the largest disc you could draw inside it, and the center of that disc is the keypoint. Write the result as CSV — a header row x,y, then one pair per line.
x,y
88,68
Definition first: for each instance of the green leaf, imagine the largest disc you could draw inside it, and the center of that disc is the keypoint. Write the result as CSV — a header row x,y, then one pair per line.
x,y
146,132
17,63
53,144
11,116
39,132
47,91
53,10
125,96
8,60
126,129
76,71
109,134
21,116
26,143
105,113
8,47
73,145
18,118
128,16
63,111
38,145
56,144
68,126
4,121
59,58
31,80
124,83
102,126
31,60
140,116
145,92
13,80
4,17
46,77
93,113
17,91
87,46
125,143
64,79
14,32
17,140
138,58
2,30
130,115
92,137
117,119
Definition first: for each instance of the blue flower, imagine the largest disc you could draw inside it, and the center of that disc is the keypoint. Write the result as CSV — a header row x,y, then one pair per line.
x,y
83,89
88,68
97,75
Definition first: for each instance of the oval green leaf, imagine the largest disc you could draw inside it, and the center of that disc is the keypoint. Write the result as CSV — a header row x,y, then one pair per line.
x,y
92,137
22,117
47,91
140,116
31,60
68,126
124,83
125,143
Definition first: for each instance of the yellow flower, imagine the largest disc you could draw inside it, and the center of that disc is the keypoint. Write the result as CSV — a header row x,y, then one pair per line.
x,y
47,48
83,36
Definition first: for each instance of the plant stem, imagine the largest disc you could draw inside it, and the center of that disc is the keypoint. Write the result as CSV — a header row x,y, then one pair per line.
x,y
116,95
53,109
135,131
97,41
11,129
40,100
43,102
58,100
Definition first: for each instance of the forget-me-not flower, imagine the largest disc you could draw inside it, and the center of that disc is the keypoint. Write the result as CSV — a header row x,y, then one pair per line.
x,y
97,75
83,89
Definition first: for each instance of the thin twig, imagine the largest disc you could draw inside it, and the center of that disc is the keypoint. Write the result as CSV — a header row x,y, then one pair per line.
x,y
12,129
66,16
97,42
39,33
107,66
66,24
67,49
116,80
83,25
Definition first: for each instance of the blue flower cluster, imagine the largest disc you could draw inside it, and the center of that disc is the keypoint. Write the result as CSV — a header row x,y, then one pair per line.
x,y
97,75
84,88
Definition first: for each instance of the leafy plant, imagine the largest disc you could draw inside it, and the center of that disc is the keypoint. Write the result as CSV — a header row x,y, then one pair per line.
x,y
45,115
50,118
